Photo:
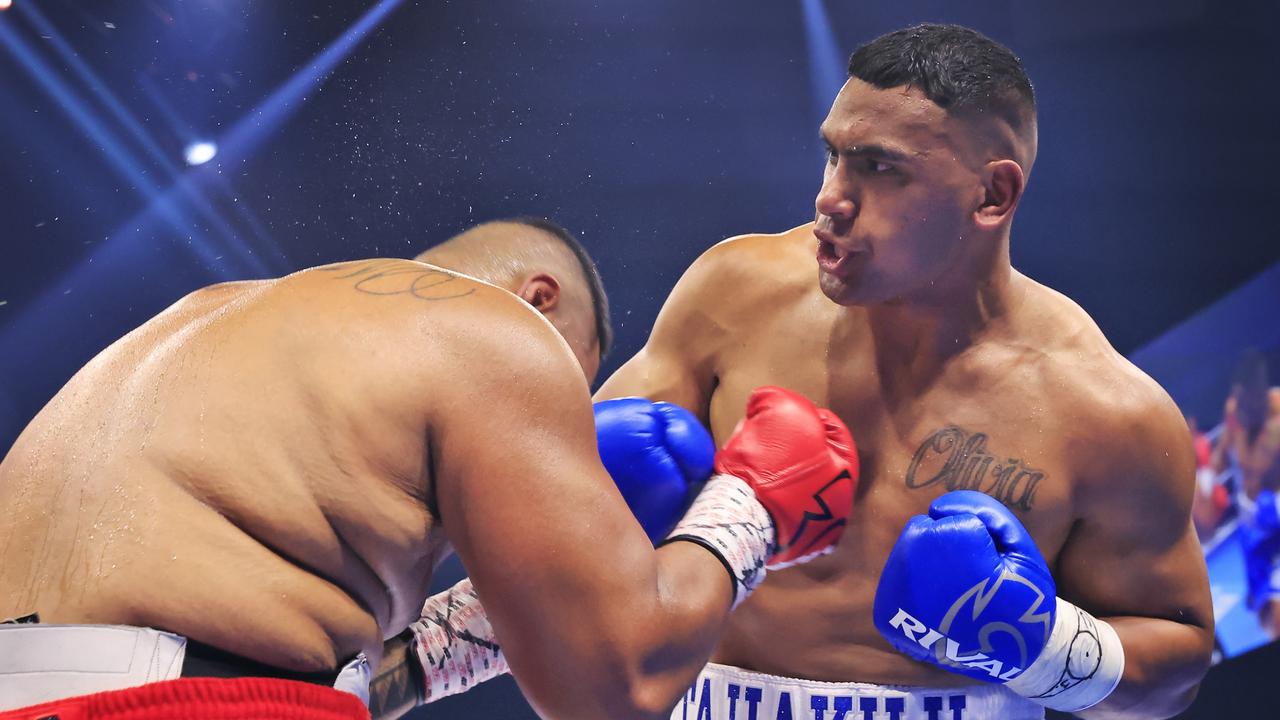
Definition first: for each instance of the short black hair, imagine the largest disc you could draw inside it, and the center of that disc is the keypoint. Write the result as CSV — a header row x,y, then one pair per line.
x,y
959,69
599,300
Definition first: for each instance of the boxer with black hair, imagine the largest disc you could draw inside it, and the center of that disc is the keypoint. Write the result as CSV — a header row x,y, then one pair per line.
x,y
1022,535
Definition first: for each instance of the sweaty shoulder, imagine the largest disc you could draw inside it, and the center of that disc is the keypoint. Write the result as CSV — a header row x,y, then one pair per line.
x,y
431,331
733,279
1124,431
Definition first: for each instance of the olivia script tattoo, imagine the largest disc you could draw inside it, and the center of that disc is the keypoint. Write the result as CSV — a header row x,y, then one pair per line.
x,y
959,460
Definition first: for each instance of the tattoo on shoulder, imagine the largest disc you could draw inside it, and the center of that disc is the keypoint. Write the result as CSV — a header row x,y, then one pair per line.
x,y
959,460
396,277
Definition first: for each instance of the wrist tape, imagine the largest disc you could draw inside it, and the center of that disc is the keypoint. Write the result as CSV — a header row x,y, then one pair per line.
x,y
1079,666
455,644
728,520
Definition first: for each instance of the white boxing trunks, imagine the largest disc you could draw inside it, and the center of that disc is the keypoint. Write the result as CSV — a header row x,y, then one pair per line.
x,y
722,692
40,663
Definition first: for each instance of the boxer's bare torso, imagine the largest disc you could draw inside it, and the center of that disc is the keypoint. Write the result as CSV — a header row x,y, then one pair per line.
x,y
1039,412
252,468
1258,457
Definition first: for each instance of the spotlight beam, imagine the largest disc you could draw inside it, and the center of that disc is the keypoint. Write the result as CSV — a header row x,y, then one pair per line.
x,y
826,71
247,134
31,337
84,118
230,238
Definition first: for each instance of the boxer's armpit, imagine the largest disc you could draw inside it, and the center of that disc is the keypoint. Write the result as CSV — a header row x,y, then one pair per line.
x,y
401,277
396,685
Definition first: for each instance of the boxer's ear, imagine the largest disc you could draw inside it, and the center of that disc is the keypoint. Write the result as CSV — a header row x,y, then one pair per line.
x,y
542,291
1002,183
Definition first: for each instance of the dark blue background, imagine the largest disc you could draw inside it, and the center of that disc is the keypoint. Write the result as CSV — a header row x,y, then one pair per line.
x,y
651,129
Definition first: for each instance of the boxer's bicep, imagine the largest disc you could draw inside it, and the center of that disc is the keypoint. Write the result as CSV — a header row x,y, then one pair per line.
x,y
1136,522
1133,559
548,542
677,363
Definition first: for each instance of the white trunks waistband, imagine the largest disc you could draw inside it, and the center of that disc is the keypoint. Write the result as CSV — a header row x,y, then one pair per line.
x,y
40,663
722,692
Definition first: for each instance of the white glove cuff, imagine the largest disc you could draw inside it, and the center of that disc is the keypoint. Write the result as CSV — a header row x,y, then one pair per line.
x,y
1078,668
727,519
455,643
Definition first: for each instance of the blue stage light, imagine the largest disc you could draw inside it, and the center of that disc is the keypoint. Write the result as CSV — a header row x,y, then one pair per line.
x,y
826,70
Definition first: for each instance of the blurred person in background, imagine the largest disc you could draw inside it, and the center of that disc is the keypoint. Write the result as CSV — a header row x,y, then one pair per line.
x,y
1250,443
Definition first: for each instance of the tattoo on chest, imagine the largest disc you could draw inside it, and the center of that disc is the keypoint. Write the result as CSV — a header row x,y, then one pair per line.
x,y
395,277
959,460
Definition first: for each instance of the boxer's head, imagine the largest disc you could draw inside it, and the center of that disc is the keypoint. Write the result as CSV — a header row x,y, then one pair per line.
x,y
930,143
547,267
1250,387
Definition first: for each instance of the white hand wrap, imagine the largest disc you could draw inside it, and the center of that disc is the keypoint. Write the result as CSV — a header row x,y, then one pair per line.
x,y
1078,668
455,643
727,519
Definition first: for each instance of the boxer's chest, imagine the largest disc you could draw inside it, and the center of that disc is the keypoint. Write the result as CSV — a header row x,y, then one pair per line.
x,y
1259,461
964,432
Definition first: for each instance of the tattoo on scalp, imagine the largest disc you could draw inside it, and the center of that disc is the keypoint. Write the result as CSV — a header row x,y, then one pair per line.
x,y
397,277
959,460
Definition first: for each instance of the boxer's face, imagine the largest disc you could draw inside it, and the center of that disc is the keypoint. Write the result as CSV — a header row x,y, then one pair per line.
x,y
897,198
1251,405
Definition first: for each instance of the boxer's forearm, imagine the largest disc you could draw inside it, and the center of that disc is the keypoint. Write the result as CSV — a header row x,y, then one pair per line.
x,y
674,627
693,602
633,656
1164,663
1218,455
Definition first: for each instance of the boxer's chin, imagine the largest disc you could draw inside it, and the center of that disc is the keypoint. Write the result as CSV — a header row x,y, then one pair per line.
x,y
839,290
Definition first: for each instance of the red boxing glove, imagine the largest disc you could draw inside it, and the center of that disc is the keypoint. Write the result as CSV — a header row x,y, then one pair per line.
x,y
802,464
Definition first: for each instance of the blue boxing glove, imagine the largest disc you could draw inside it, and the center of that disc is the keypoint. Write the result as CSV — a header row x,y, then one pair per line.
x,y
1266,517
1259,528
966,588
656,453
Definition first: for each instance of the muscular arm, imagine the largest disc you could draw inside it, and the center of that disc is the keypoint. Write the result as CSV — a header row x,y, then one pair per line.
x,y
1133,559
677,364
593,622
1218,457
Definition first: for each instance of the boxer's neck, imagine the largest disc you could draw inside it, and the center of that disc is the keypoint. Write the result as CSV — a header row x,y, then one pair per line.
x,y
914,339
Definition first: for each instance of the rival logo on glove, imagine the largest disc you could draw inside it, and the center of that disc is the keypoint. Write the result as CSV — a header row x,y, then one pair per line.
x,y
978,597
910,627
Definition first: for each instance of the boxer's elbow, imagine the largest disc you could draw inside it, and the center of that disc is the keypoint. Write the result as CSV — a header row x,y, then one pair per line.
x,y
607,669
642,697
1159,704
1156,695
606,693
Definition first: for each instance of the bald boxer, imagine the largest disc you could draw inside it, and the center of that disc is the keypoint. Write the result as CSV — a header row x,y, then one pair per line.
x,y
257,483
1022,536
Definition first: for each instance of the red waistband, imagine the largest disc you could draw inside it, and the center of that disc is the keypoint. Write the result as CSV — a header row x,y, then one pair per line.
x,y
204,699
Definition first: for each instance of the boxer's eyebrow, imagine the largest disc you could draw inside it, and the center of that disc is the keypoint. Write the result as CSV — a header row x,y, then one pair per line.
x,y
867,150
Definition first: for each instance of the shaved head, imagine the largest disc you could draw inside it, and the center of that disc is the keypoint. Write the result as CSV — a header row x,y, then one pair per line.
x,y
543,264
501,251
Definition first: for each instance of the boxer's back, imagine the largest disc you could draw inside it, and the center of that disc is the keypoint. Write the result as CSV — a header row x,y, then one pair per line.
x,y
250,468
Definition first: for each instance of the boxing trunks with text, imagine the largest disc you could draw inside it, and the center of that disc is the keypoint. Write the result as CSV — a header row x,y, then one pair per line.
x,y
722,692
